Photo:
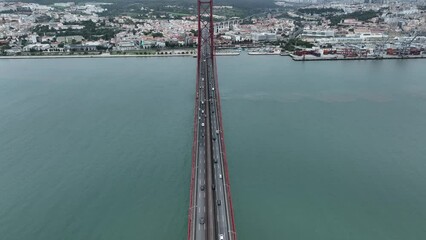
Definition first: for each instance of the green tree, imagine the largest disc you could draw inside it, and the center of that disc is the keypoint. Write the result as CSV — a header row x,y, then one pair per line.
x,y
194,32
292,44
157,34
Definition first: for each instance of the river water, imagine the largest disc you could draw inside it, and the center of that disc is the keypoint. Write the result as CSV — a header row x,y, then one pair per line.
x,y
101,148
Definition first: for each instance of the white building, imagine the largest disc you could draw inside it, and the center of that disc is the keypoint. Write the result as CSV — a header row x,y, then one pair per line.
x,y
317,33
36,47
126,46
264,37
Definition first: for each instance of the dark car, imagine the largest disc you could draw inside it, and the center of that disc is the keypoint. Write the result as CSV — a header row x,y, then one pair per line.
x,y
213,187
202,187
202,220
219,202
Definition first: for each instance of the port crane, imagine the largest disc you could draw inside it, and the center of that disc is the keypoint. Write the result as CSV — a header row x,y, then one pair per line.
x,y
379,49
405,50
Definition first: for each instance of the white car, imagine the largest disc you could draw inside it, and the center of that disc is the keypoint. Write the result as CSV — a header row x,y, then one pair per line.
x,y
221,236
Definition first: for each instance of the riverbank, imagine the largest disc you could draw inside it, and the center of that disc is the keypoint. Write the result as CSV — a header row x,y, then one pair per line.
x,y
341,57
293,57
111,56
95,56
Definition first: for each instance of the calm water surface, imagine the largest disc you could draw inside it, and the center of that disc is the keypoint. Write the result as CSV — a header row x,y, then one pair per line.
x,y
101,148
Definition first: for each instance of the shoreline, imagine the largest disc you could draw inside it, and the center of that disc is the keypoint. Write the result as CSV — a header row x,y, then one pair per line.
x,y
110,56
341,58
96,56
293,57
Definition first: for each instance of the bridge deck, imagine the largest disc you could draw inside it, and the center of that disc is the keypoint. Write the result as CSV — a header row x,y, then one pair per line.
x,y
210,212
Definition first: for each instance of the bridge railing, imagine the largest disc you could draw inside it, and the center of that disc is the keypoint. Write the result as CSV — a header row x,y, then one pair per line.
x,y
194,159
225,161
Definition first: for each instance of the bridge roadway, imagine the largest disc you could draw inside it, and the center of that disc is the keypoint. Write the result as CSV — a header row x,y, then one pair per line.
x,y
211,217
